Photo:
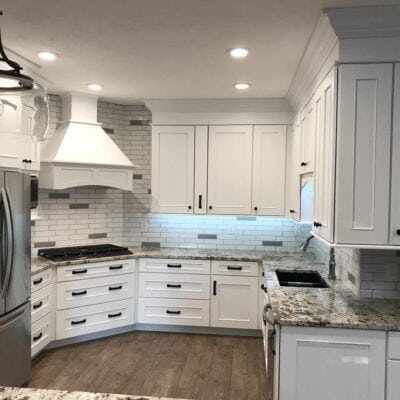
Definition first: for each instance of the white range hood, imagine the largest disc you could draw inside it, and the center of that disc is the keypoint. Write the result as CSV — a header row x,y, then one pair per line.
x,y
80,153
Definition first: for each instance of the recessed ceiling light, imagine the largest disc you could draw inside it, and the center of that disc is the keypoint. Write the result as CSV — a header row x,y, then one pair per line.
x,y
94,86
238,52
241,85
48,56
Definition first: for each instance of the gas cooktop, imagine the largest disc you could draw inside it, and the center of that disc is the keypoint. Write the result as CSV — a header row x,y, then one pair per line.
x,y
83,252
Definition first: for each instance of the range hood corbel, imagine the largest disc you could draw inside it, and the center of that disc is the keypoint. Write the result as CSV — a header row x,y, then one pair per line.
x,y
80,153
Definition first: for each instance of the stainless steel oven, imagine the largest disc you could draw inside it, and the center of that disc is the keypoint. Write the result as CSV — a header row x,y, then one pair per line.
x,y
269,338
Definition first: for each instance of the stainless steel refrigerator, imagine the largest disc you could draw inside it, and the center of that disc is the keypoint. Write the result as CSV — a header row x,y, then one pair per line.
x,y
15,337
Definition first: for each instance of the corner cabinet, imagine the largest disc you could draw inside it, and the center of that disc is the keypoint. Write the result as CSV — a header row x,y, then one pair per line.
x,y
172,169
219,169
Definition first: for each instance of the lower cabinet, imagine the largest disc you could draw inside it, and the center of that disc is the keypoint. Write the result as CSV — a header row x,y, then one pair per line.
x,y
234,299
393,367
332,364
42,333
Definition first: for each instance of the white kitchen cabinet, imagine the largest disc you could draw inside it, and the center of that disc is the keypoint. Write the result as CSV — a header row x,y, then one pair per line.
x,y
331,364
230,169
269,169
307,138
392,380
363,153
234,301
293,181
395,204
324,174
42,333
172,169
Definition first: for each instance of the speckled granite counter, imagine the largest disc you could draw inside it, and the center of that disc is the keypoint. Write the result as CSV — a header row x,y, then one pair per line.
x,y
335,307
8,393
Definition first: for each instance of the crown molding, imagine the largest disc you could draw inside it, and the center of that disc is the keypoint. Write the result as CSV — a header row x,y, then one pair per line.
x,y
320,55
365,22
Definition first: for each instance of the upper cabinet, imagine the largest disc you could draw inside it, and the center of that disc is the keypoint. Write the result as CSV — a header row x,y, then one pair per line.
x,y
229,169
363,154
269,169
219,169
307,138
172,169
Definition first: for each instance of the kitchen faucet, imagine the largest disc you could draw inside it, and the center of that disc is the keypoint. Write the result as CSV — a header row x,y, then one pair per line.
x,y
305,244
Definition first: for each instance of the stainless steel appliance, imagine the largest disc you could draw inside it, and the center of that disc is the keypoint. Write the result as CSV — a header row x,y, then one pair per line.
x,y
15,336
82,252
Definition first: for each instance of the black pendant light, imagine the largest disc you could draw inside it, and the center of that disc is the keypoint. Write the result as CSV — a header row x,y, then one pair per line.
x,y
11,80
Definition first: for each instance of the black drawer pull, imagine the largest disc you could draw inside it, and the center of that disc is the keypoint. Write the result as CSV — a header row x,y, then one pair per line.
x,y
172,285
113,267
173,312
214,288
115,287
200,201
398,231
292,211
36,338
37,305
233,268
82,321
81,293
115,315
174,265
37,281
79,271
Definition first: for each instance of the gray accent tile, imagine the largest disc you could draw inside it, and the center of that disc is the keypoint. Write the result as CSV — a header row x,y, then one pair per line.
x,y
137,176
58,195
271,243
246,218
77,206
44,244
151,244
33,223
351,278
97,235
148,191
109,130
206,236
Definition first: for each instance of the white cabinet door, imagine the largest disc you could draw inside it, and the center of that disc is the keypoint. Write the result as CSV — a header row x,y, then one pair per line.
x,y
293,206
395,211
325,150
234,302
331,364
392,380
11,147
229,169
363,153
172,169
307,138
269,169
200,173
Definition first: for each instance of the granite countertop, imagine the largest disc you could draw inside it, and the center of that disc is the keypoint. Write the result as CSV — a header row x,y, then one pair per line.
x,y
334,307
10,393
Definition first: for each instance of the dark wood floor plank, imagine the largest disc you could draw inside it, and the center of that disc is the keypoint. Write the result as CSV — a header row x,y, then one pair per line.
x,y
189,366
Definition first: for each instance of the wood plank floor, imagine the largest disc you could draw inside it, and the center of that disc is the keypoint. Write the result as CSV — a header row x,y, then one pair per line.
x,y
158,364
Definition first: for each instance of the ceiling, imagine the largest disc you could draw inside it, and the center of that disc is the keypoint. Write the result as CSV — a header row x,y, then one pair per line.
x,y
147,49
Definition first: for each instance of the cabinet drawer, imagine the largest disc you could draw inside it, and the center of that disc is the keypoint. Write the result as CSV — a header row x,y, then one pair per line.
x,y
90,319
41,302
182,286
394,345
42,334
95,270
174,266
392,381
234,268
174,312
41,279
93,291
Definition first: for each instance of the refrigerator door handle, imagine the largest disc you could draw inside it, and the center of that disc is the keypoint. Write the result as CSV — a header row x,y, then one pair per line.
x,y
2,244
10,242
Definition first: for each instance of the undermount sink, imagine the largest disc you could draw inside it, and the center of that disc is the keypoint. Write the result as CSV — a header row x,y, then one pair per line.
x,y
308,279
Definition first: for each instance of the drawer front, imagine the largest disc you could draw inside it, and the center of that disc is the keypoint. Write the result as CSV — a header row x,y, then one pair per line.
x,y
234,268
94,291
96,318
42,334
42,279
176,266
41,302
182,286
174,312
394,345
95,270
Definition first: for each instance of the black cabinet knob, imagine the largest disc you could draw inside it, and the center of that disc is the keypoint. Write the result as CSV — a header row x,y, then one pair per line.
x,y
255,208
292,211
25,160
317,224
210,207
303,164
189,207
